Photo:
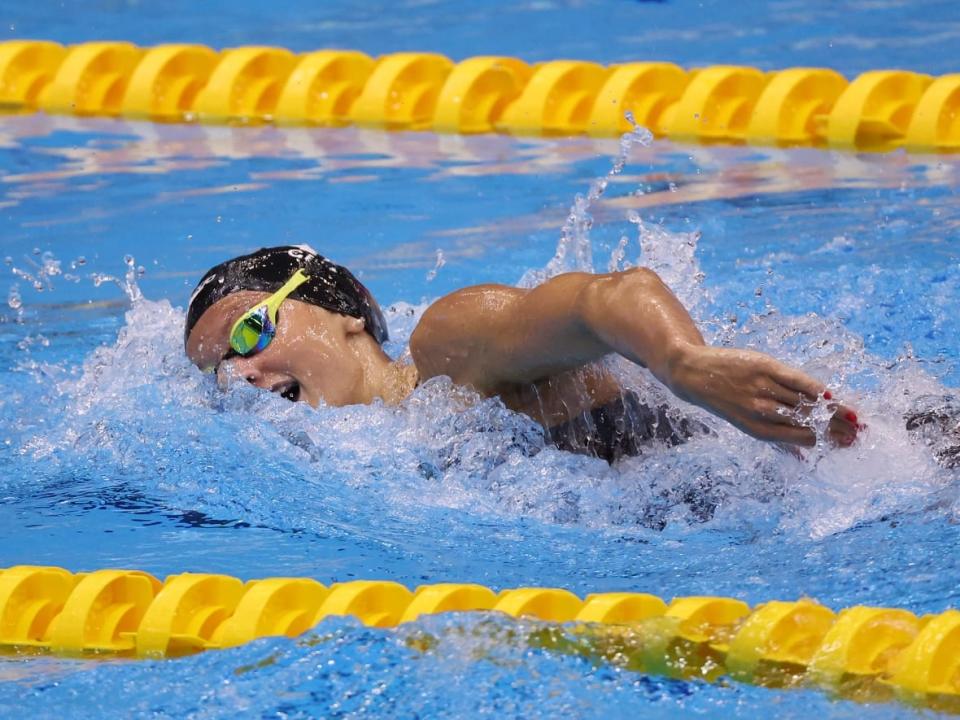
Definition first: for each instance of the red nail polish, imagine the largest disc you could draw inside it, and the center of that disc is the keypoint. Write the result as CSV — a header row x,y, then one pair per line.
x,y
851,416
827,395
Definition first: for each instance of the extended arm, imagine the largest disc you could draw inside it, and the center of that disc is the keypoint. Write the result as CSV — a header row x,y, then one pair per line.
x,y
491,335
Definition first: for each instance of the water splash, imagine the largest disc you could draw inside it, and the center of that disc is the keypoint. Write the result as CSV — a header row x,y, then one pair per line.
x,y
15,302
128,284
40,276
575,249
441,261
446,447
40,270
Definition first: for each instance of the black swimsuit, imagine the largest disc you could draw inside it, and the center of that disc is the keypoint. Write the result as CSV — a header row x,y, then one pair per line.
x,y
621,428
935,420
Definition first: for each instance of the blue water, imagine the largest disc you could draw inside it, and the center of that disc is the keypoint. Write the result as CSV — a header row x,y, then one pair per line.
x,y
852,36
115,452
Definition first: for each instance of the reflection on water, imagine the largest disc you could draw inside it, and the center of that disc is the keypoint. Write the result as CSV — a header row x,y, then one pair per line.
x,y
676,174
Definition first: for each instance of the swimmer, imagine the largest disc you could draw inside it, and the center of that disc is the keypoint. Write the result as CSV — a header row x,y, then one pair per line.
x,y
289,320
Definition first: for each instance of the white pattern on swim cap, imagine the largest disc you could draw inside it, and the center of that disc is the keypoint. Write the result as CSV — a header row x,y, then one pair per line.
x,y
201,286
303,247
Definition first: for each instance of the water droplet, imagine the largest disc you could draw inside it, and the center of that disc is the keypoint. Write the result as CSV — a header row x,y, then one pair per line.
x,y
441,261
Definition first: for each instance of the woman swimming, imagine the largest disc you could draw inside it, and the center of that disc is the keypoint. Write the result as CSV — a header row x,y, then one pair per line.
x,y
291,321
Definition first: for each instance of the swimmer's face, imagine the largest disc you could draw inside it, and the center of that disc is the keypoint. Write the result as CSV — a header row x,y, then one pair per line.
x,y
315,355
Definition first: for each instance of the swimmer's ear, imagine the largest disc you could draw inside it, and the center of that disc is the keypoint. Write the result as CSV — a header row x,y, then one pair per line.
x,y
354,325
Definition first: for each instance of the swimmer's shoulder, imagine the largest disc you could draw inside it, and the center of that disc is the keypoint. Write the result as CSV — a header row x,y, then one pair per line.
x,y
458,334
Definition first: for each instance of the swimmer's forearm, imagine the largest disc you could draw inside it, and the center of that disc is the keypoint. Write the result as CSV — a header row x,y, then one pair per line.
x,y
636,315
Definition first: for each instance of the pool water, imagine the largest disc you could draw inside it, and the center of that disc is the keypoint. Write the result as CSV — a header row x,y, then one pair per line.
x,y
115,452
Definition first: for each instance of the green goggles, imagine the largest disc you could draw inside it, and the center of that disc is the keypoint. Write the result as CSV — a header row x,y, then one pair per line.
x,y
257,327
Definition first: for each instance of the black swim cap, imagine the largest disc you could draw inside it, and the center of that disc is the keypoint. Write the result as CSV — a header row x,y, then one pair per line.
x,y
330,286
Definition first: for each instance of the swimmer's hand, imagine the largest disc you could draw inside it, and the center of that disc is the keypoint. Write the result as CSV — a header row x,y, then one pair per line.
x,y
758,394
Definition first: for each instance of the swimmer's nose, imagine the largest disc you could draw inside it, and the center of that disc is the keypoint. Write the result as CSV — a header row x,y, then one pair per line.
x,y
247,369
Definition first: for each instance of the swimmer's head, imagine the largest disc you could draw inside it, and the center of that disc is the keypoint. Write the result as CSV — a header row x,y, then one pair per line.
x,y
326,324
329,285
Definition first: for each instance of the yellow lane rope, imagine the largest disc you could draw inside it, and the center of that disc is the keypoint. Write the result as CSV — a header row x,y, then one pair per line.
x,y
879,110
889,651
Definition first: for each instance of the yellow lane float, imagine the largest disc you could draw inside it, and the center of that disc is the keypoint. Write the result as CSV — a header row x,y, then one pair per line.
x,y
879,110
862,652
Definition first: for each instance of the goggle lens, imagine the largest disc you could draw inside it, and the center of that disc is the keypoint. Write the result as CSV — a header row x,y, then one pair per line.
x,y
254,331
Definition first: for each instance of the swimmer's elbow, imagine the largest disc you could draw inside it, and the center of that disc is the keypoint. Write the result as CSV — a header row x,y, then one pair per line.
x,y
604,294
641,278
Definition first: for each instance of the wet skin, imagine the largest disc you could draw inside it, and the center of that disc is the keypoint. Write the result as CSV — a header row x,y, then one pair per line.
x,y
535,349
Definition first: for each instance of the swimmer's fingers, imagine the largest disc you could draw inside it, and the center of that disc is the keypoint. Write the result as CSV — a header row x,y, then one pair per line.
x,y
795,384
844,425
776,427
795,390
776,408
783,423
788,398
782,406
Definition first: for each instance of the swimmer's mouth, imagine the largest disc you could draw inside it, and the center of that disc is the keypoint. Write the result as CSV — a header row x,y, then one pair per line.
x,y
290,390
